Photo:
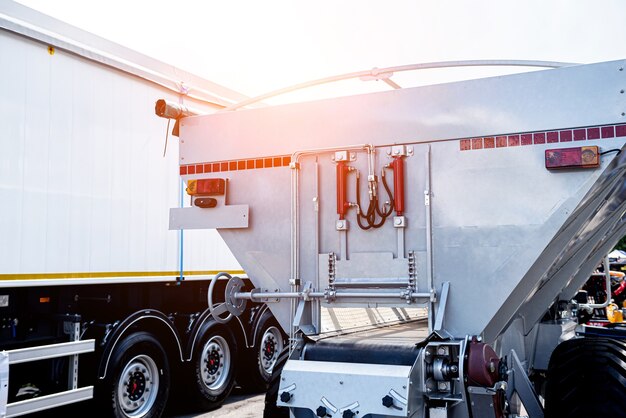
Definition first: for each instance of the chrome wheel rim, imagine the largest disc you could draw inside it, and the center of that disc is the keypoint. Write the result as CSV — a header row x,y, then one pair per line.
x,y
138,386
270,348
215,363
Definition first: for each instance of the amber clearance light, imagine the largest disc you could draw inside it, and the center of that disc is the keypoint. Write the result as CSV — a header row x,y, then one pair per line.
x,y
578,157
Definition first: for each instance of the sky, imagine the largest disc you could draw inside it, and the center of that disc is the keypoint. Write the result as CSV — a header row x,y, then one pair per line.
x,y
258,46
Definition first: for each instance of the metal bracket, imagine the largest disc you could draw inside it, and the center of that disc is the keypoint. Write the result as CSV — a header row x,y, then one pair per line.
x,y
260,291
400,151
73,363
344,156
399,222
229,216
302,318
341,225
519,382
441,310
235,306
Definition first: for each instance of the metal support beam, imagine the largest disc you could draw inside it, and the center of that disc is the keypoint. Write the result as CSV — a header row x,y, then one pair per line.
x,y
24,355
519,382
441,310
50,401
73,363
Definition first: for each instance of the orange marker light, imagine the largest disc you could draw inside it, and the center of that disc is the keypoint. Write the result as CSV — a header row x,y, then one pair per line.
x,y
579,157
206,187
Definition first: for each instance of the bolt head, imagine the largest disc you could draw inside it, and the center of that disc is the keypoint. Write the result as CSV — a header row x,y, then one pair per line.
x,y
285,397
348,414
321,411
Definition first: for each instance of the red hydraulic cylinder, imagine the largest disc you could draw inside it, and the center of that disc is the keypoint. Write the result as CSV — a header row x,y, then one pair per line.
x,y
398,184
342,189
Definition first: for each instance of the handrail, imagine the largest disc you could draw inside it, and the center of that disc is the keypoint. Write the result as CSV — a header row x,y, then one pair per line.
x,y
387,72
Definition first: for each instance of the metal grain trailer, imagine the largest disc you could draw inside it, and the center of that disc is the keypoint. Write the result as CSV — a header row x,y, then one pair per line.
x,y
96,296
488,202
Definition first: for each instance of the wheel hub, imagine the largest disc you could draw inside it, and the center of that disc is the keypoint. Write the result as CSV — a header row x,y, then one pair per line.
x,y
215,363
138,386
271,346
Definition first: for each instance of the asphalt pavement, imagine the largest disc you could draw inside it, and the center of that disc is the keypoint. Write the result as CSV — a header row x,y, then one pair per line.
x,y
238,405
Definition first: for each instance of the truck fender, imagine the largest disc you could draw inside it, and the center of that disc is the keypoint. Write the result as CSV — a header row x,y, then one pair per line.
x,y
153,320
255,325
239,331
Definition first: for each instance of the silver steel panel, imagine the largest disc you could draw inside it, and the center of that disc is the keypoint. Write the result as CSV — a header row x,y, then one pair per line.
x,y
548,99
355,386
232,216
481,402
494,210
548,337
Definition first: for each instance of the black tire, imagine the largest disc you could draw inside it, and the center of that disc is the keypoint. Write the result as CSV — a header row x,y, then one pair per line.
x,y
138,381
213,366
258,363
271,396
587,378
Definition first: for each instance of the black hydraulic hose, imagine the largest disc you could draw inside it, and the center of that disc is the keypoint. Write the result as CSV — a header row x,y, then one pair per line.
x,y
372,208
389,195
374,204
358,202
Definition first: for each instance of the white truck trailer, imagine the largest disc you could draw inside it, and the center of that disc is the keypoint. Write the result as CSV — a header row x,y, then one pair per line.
x,y
97,297
488,202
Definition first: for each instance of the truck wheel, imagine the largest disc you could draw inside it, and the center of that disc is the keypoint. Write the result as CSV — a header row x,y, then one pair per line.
x,y
139,378
213,366
587,378
258,365
271,396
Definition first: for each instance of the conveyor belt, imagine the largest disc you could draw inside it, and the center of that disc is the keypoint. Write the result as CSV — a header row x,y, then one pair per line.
x,y
393,345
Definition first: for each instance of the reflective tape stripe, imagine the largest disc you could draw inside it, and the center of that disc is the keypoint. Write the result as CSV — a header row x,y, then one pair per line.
x,y
543,137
